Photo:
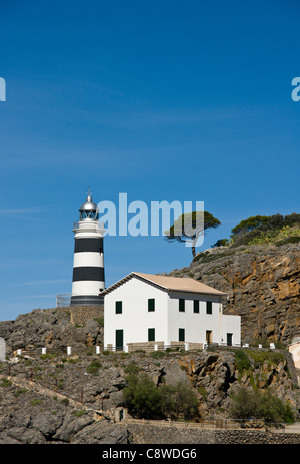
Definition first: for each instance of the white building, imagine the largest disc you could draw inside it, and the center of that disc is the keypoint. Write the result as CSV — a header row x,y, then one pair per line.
x,y
143,310
294,349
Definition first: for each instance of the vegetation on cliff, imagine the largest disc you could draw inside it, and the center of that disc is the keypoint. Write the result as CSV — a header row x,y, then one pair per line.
x,y
53,397
263,287
263,230
251,403
146,400
189,226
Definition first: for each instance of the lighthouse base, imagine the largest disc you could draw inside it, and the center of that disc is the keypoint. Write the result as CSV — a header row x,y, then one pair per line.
x,y
87,300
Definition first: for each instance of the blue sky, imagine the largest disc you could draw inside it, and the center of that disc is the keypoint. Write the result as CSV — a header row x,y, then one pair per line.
x,y
163,100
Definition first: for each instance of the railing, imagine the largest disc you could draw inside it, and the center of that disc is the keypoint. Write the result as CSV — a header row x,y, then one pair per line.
x,y
88,225
160,346
62,301
223,424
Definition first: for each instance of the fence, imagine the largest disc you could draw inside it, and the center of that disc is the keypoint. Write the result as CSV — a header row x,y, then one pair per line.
x,y
174,346
224,424
148,347
68,350
64,300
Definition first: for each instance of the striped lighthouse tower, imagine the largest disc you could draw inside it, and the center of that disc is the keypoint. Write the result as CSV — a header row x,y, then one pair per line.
x,y
88,267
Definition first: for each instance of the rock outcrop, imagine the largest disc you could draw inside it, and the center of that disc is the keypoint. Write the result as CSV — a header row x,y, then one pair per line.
x,y
50,328
263,287
55,398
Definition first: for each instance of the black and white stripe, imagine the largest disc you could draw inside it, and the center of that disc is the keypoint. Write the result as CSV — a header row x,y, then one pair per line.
x,y
88,271
88,266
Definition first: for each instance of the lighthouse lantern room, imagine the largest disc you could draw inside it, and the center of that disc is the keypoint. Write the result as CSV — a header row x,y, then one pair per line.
x,y
88,266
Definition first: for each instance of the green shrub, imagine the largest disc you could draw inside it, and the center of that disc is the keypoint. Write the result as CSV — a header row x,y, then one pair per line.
x,y
242,361
142,397
20,391
145,400
78,413
158,354
100,321
270,357
221,242
250,403
132,368
178,400
73,360
206,257
94,367
202,390
5,383
65,401
273,409
287,240
36,402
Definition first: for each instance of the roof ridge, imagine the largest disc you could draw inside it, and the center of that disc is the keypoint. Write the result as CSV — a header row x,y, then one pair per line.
x,y
193,286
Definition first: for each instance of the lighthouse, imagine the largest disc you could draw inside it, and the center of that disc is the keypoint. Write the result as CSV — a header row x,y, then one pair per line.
x,y
88,265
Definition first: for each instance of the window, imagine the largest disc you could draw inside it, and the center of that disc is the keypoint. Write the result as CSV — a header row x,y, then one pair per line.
x,y
118,307
196,306
181,305
151,304
89,214
208,307
151,335
181,335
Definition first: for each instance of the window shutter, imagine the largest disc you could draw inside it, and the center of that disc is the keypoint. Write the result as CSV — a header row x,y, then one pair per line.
x,y
151,304
208,307
151,335
181,335
181,305
118,307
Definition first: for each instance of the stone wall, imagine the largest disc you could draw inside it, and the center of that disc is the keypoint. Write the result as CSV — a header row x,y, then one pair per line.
x,y
146,346
163,434
150,346
255,437
81,314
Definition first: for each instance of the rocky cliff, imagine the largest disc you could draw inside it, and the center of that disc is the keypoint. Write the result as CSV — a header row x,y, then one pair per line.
x,y
263,286
56,398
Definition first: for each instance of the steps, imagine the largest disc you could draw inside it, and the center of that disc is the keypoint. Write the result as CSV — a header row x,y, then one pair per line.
x,y
35,387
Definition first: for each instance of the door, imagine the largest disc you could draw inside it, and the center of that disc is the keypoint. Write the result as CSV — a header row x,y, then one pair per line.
x,y
209,337
119,340
229,339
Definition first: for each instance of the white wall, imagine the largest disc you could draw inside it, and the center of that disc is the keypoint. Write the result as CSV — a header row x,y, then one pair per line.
x,y
86,287
195,324
135,319
232,324
295,351
88,259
